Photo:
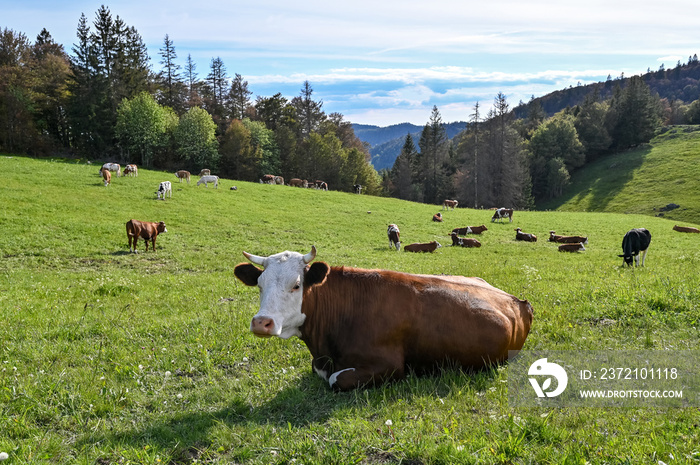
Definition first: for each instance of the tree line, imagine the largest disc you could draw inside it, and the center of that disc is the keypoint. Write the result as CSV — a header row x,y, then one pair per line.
x,y
104,102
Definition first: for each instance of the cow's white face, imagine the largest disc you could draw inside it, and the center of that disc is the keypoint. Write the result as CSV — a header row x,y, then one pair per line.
x,y
281,285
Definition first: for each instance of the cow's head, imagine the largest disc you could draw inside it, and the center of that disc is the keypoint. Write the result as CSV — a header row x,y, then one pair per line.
x,y
282,282
161,227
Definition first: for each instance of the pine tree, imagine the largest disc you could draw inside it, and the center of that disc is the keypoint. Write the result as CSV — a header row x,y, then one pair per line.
x,y
169,77
239,97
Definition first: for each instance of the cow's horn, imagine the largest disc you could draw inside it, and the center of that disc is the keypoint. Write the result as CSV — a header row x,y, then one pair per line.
x,y
311,255
255,259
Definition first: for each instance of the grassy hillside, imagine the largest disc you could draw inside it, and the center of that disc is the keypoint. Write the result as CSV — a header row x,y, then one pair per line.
x,y
112,357
642,180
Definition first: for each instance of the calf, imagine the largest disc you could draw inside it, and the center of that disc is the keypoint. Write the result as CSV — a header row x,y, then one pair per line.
x,y
131,170
567,239
572,247
357,188
106,177
521,236
470,230
422,247
686,229
394,236
634,242
146,230
501,213
446,204
207,179
165,188
464,241
437,217
182,174
204,172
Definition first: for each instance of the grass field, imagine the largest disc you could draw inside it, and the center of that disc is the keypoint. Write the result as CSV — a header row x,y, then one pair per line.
x,y
642,180
112,357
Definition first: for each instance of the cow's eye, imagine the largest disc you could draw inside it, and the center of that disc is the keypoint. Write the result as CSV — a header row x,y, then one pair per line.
x,y
296,287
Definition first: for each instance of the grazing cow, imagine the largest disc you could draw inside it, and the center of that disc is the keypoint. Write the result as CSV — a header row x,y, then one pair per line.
x,y
296,182
309,184
521,236
634,242
367,327
470,230
394,236
501,213
422,247
279,180
131,170
686,229
207,179
464,241
116,167
106,177
164,189
321,185
267,179
437,217
357,188
204,172
553,237
446,204
572,247
182,174
145,230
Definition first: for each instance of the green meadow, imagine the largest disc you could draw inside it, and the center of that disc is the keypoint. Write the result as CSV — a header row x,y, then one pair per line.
x,y
113,357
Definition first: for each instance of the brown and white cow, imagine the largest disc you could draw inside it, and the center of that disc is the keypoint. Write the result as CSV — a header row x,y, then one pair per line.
x,y
685,229
106,177
464,241
267,179
501,213
321,185
553,237
521,236
366,327
447,204
182,174
204,172
296,182
116,167
279,180
394,236
422,247
572,247
148,231
131,170
437,217
470,230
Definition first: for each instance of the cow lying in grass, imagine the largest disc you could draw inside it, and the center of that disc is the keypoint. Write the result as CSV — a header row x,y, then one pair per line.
x,y
422,247
464,241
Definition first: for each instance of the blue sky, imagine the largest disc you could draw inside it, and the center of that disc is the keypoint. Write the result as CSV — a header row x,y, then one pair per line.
x,y
388,62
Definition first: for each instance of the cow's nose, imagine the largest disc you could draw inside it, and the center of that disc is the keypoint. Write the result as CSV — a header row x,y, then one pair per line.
x,y
262,326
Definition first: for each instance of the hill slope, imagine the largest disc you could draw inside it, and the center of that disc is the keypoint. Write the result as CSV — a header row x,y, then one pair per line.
x,y
643,180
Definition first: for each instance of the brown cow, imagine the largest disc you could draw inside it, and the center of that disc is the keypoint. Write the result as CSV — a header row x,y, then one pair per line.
x,y
437,217
366,327
146,230
132,170
446,204
205,172
394,236
106,176
267,179
464,241
521,236
470,230
182,174
553,237
501,213
296,182
686,229
572,247
422,247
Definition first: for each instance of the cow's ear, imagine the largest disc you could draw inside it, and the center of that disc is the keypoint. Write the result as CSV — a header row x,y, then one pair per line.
x,y
316,274
247,273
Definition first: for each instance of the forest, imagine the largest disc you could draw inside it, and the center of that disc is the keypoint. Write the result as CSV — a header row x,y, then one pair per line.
x,y
104,102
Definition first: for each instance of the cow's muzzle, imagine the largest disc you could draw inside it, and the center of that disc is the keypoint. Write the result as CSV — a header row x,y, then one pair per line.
x,y
262,326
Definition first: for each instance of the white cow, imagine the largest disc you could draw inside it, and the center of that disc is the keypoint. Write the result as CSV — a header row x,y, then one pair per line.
x,y
207,179
112,167
164,189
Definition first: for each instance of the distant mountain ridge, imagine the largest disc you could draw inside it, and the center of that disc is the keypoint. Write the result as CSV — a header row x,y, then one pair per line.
x,y
386,142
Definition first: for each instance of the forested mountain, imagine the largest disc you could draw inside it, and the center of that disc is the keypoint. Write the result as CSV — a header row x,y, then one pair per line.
x,y
386,142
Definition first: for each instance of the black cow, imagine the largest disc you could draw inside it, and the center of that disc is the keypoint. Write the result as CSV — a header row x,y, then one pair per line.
x,y
635,241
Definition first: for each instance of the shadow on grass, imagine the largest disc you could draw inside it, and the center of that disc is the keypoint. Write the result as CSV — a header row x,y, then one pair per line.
x,y
309,401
